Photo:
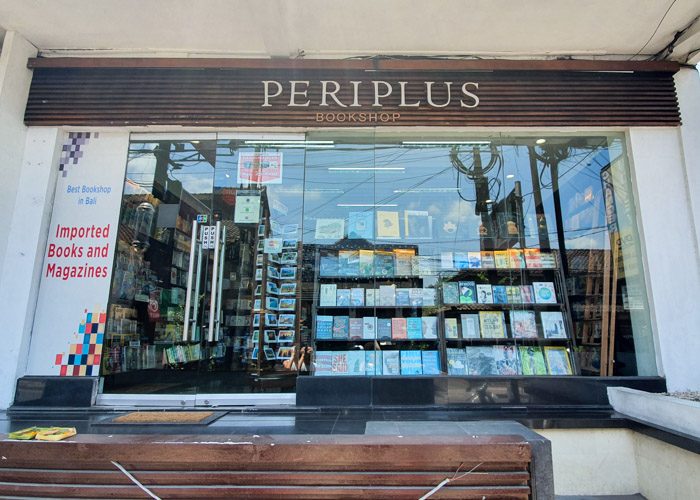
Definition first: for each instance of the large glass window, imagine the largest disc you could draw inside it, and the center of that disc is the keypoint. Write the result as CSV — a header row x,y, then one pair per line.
x,y
245,262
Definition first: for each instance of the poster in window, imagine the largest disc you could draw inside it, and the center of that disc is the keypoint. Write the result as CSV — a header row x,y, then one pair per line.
x,y
259,168
418,224
247,209
388,225
330,229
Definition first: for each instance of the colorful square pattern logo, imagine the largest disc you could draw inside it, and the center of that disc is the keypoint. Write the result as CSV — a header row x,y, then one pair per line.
x,y
83,358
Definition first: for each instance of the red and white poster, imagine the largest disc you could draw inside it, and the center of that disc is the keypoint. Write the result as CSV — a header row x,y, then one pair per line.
x,y
259,168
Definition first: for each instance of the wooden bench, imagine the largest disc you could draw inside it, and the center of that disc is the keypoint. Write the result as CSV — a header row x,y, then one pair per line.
x,y
284,466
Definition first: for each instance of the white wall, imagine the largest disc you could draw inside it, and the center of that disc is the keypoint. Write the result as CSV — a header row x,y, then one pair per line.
x,y
669,242
28,222
14,88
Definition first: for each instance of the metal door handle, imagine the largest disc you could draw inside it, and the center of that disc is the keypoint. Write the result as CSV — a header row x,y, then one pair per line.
x,y
190,272
214,282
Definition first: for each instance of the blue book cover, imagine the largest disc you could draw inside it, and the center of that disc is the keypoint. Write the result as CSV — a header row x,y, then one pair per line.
x,y
411,363
341,327
361,225
356,362
500,294
431,362
461,260
467,292
403,297
414,328
324,327
384,328
390,363
456,361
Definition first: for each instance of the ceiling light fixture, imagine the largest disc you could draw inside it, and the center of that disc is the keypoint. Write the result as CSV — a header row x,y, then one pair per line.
x,y
540,141
365,169
444,143
367,205
510,176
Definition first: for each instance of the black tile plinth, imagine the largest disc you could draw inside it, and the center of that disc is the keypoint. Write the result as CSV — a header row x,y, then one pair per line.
x,y
334,391
412,391
67,392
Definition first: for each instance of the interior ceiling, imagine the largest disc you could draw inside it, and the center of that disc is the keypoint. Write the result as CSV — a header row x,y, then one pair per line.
x,y
612,29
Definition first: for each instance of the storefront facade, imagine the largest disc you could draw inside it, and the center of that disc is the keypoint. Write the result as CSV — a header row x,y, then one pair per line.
x,y
237,231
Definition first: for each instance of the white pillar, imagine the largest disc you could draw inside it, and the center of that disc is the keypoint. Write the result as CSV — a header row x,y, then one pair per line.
x,y
15,79
24,258
669,243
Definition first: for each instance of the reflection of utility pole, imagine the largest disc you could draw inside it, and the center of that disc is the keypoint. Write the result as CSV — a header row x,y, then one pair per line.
x,y
481,186
519,217
540,217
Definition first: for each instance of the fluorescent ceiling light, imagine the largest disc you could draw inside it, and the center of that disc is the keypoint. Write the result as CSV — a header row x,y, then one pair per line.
x,y
510,176
310,190
367,205
427,190
361,169
540,141
443,143
287,142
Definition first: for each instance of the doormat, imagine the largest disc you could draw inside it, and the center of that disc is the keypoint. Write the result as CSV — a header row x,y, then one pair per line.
x,y
166,417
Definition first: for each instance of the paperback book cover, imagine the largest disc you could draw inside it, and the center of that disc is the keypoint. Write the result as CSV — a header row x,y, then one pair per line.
x,y
355,329
339,363
348,262
328,265
411,363
391,364
500,296
474,260
323,363
516,259
384,263
451,331
366,263
456,361
398,329
532,258
429,324
387,295
373,362
403,297
414,328
357,297
356,362
506,359
461,260
481,360
553,325
327,295
418,224
484,294
342,297
369,327
415,297
446,260
361,225
388,225
501,259
523,324
384,328
513,294
557,360
403,262
370,297
527,294
548,260
324,327
492,324
544,292
425,265
431,362
532,360
467,292
330,229
428,296
341,327
488,260
470,326
450,292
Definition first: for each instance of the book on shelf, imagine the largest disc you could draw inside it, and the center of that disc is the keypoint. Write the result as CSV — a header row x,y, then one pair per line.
x,y
474,259
391,364
398,328
500,294
356,362
418,224
447,261
339,363
387,295
323,363
361,225
532,258
532,360
330,229
355,329
544,292
348,263
513,294
506,360
403,261
384,328
470,326
342,298
370,297
411,363
415,297
327,295
548,260
450,292
328,264
557,360
481,360
373,362
430,361
388,225
341,327
461,260
366,262
553,325
403,297
501,259
492,324
467,292
523,324
429,327
414,328
451,331
488,260
428,296
424,265
357,297
527,294
384,263
484,294
515,258
369,327
324,327
456,361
